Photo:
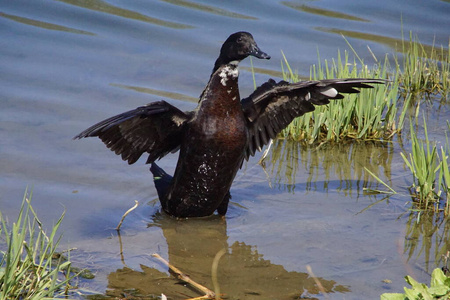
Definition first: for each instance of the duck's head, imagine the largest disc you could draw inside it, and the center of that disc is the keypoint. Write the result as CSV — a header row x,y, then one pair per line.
x,y
237,47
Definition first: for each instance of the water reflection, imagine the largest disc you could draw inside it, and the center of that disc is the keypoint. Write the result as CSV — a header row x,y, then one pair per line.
x,y
44,25
102,6
161,93
427,236
209,9
380,39
344,163
322,12
242,272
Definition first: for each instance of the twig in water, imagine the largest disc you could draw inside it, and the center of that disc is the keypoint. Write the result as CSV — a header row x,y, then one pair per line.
x,y
316,280
214,267
263,157
180,275
122,257
126,213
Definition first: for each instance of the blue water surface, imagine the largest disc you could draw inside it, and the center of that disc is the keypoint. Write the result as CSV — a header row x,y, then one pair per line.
x,y
65,65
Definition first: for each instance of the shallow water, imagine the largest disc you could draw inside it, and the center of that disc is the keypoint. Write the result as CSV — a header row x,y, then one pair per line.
x,y
67,64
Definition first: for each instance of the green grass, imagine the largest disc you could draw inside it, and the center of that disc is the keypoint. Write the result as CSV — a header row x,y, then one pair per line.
x,y
379,114
373,114
28,269
444,174
424,164
423,70
430,189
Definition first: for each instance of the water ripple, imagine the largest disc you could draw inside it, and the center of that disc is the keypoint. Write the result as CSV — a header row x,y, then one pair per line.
x,y
44,25
209,9
323,12
102,6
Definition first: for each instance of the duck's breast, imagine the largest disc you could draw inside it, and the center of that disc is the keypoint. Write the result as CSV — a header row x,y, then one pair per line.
x,y
212,150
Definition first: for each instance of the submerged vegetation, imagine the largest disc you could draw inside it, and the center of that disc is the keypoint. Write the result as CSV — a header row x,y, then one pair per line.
x,y
30,268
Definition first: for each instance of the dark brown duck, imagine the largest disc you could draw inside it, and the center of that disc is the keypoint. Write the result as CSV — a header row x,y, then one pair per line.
x,y
219,134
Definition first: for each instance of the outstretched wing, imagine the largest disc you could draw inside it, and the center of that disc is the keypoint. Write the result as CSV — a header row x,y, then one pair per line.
x,y
272,106
155,128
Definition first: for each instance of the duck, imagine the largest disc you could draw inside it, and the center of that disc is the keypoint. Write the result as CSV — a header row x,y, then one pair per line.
x,y
216,137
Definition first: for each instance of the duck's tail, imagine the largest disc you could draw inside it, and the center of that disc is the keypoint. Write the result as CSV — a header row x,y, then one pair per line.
x,y
162,181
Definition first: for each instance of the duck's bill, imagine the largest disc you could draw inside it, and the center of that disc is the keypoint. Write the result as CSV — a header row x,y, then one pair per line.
x,y
256,52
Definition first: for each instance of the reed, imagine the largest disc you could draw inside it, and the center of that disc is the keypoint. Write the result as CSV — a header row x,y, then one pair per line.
x,y
444,174
379,113
430,170
423,70
27,267
424,164
373,114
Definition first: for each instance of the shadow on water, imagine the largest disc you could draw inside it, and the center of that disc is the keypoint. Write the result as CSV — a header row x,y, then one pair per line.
x,y
242,271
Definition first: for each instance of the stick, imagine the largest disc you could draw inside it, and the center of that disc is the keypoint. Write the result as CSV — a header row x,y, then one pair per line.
x,y
261,161
214,267
180,275
316,280
126,213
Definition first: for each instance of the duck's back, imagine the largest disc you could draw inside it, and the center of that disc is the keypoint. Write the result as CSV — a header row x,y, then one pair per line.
x,y
212,150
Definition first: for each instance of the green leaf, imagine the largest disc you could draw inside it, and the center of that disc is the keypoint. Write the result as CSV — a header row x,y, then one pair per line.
x,y
411,293
438,291
392,296
437,278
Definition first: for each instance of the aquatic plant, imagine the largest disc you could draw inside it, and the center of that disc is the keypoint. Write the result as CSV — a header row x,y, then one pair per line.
x,y
373,114
423,162
439,288
430,171
444,174
28,269
378,113
423,70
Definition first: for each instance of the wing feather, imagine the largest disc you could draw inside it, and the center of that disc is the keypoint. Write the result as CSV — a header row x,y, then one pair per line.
x,y
272,106
155,128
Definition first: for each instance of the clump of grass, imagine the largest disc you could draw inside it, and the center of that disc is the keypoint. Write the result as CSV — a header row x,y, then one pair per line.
x,y
423,70
371,115
444,174
423,162
445,179
431,175
27,268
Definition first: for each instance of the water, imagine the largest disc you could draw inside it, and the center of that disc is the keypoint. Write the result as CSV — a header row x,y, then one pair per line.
x,y
64,65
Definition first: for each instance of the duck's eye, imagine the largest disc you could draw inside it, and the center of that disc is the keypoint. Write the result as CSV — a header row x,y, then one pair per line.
x,y
239,40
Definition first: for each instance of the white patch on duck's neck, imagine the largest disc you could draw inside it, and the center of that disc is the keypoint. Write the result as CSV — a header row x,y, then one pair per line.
x,y
228,71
